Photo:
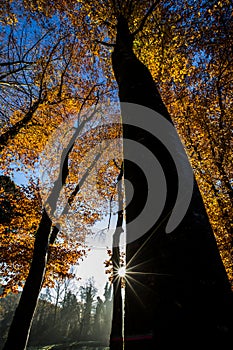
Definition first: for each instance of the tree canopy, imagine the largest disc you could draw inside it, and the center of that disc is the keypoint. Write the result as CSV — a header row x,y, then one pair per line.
x,y
55,60
55,77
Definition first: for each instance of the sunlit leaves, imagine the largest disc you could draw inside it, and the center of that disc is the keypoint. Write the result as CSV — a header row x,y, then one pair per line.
x,y
187,46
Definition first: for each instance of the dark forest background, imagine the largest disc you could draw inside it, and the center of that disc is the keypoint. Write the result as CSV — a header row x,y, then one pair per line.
x,y
64,315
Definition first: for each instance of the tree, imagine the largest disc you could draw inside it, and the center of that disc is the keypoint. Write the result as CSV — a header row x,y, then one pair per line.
x,y
98,321
103,316
70,316
45,237
87,293
184,301
45,234
7,306
198,108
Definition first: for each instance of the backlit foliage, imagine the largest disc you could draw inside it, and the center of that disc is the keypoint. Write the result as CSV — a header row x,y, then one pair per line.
x,y
53,57
19,218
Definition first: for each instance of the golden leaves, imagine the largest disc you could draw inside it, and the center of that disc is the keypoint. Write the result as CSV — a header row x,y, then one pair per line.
x,y
191,59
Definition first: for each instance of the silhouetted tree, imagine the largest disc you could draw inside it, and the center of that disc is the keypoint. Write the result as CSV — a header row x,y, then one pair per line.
x,y
87,293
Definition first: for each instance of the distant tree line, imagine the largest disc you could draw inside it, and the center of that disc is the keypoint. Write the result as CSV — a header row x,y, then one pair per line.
x,y
62,316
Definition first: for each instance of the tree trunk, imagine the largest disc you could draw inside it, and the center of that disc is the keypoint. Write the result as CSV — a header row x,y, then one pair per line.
x,y
22,321
116,337
18,334
182,297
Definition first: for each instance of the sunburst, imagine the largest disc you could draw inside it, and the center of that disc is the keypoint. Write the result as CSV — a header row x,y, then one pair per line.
x,y
129,275
121,272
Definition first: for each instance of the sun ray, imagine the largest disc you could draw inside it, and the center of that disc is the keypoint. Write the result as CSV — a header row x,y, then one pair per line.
x,y
135,281
148,238
133,270
131,287
149,273
136,266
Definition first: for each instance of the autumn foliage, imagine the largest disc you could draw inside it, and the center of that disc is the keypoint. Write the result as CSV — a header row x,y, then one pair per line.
x,y
55,61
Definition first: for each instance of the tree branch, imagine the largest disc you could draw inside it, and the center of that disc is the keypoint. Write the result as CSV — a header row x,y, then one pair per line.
x,y
149,12
105,44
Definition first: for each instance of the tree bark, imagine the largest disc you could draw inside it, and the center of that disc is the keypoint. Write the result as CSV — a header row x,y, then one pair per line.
x,y
20,328
116,337
19,331
183,298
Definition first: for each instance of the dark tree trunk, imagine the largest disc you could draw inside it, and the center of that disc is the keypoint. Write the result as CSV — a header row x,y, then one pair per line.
x,y
18,334
21,324
116,337
183,298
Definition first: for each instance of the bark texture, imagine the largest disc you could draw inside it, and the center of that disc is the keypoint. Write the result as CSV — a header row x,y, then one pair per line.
x,y
116,337
182,297
46,234
19,331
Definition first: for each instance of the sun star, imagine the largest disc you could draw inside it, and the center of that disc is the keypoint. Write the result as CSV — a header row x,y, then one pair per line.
x,y
121,271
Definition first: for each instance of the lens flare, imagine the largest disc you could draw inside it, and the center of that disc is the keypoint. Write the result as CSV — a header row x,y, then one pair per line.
x,y
121,271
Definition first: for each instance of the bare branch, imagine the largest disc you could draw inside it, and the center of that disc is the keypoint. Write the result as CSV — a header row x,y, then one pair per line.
x,y
11,72
105,44
13,63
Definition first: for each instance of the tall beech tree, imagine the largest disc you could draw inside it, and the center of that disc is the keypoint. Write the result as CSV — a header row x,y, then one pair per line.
x,y
189,300
45,238
27,129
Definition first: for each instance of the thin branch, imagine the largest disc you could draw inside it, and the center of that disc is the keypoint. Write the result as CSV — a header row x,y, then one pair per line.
x,y
11,72
110,212
149,12
64,171
37,42
56,227
64,72
87,97
105,44
60,182
12,63
81,182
